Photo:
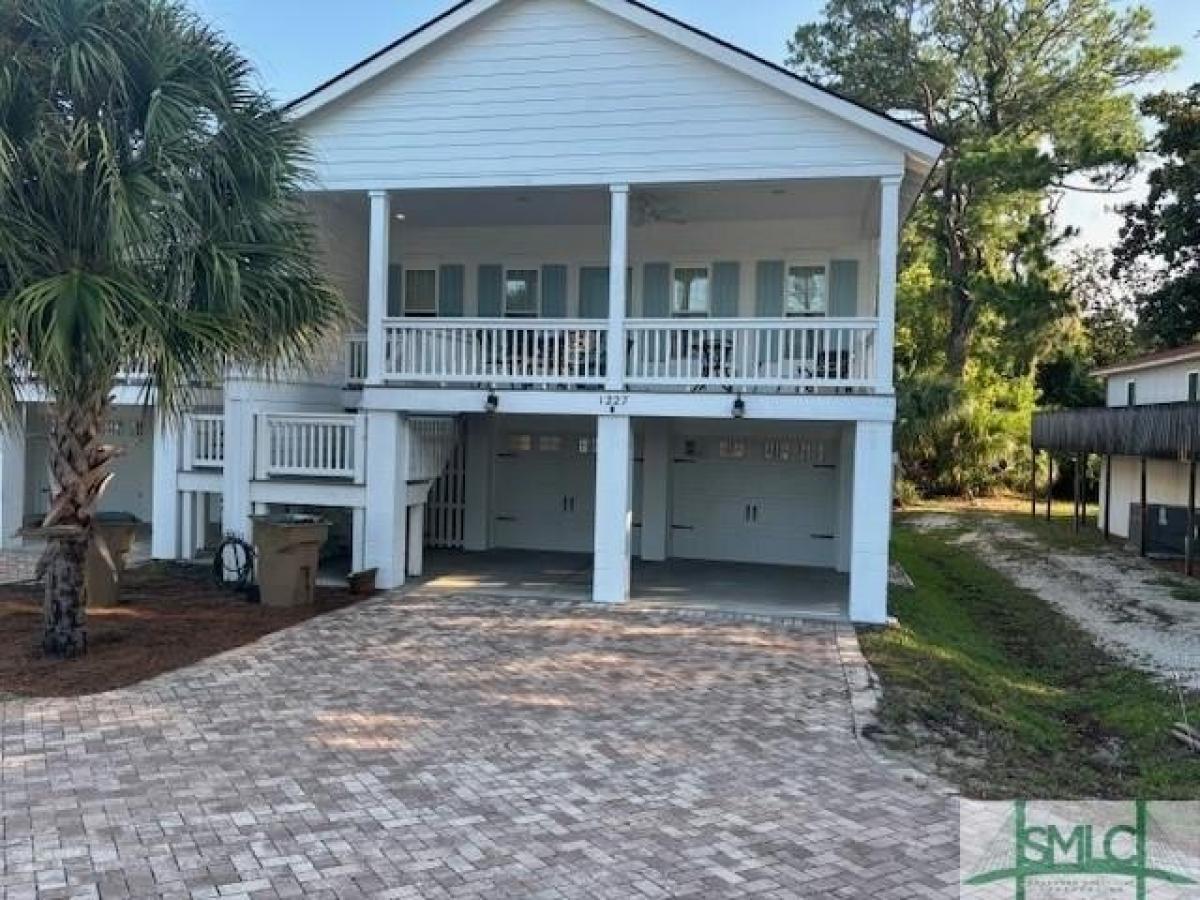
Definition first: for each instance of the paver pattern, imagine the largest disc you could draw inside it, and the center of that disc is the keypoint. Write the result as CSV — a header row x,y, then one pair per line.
x,y
472,747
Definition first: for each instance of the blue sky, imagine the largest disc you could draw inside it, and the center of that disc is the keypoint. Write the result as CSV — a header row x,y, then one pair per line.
x,y
296,44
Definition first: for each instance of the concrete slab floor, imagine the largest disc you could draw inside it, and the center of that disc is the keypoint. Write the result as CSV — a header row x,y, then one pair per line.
x,y
758,590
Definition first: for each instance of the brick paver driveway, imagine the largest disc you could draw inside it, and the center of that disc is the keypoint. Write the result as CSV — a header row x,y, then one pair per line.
x,y
469,747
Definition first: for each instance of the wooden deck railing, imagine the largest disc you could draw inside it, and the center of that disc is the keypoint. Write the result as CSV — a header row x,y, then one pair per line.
x,y
295,445
670,354
751,353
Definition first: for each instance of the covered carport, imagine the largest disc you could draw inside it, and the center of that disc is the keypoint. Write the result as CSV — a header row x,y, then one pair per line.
x,y
702,585
1165,434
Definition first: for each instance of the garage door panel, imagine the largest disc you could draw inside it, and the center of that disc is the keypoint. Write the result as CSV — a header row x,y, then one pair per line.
x,y
762,501
544,492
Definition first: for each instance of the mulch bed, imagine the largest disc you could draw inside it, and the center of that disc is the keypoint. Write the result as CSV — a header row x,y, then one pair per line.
x,y
172,616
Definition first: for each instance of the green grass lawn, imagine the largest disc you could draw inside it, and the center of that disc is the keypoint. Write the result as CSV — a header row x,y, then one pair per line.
x,y
1010,697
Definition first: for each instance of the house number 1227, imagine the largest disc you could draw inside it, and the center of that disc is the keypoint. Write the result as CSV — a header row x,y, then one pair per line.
x,y
612,401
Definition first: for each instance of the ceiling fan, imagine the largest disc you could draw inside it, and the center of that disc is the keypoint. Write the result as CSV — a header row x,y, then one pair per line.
x,y
651,210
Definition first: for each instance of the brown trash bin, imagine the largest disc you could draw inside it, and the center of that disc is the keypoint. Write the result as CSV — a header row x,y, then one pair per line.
x,y
288,551
108,552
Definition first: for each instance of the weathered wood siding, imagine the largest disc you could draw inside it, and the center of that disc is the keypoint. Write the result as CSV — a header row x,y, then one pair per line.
x,y
560,92
1166,431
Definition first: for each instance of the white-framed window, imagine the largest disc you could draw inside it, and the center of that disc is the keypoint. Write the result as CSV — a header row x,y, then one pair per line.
x,y
1193,386
1131,393
732,448
420,293
522,298
806,291
691,291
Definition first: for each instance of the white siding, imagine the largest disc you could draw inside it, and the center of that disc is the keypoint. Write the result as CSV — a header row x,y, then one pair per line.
x,y
1162,384
1166,483
814,241
560,92
342,241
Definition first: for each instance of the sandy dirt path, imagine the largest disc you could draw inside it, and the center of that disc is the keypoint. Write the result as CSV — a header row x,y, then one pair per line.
x,y
1124,602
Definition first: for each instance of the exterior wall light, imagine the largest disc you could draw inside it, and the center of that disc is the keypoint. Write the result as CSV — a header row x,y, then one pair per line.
x,y
492,403
739,408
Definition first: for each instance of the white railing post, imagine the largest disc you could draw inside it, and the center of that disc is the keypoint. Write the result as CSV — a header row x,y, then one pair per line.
x,y
262,446
360,448
618,261
189,443
889,244
377,282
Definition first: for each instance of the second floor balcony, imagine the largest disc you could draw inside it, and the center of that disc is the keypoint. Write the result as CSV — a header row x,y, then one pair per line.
x,y
750,288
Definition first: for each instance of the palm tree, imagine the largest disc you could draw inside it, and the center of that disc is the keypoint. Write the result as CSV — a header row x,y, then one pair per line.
x,y
150,212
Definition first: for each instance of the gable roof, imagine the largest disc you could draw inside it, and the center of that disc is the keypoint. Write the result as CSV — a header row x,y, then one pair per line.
x,y
1152,360
911,138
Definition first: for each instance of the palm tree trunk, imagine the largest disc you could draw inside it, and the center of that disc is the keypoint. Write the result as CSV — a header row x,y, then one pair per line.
x,y
65,603
80,466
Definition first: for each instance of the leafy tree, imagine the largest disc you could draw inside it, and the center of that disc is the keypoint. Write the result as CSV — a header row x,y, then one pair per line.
x,y
1166,226
1101,329
150,212
1027,96
964,437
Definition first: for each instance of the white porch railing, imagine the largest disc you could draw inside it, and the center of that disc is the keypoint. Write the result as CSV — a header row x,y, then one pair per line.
x,y
751,353
356,359
433,443
291,445
204,441
534,352
661,353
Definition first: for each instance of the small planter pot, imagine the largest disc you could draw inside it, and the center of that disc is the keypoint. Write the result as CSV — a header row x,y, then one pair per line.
x,y
362,584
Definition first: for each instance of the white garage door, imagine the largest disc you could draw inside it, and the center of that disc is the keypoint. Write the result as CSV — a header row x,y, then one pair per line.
x,y
544,491
758,500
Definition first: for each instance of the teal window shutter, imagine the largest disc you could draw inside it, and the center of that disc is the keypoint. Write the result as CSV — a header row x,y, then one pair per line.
x,y
450,291
593,292
395,291
769,281
629,293
554,292
656,290
843,288
491,292
726,287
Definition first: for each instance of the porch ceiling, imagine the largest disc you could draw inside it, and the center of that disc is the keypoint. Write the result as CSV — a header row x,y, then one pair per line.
x,y
667,205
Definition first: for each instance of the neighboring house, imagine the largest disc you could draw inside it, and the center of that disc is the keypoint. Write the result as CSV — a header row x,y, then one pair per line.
x,y
1150,427
625,289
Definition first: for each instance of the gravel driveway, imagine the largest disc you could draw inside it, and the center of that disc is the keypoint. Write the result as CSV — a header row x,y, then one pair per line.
x,y
1124,602
472,747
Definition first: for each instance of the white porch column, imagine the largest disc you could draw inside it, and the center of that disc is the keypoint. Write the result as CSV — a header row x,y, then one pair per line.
x,y
618,276
889,249
164,509
358,538
871,520
656,468
12,485
614,516
187,521
478,482
415,562
239,465
386,517
377,282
